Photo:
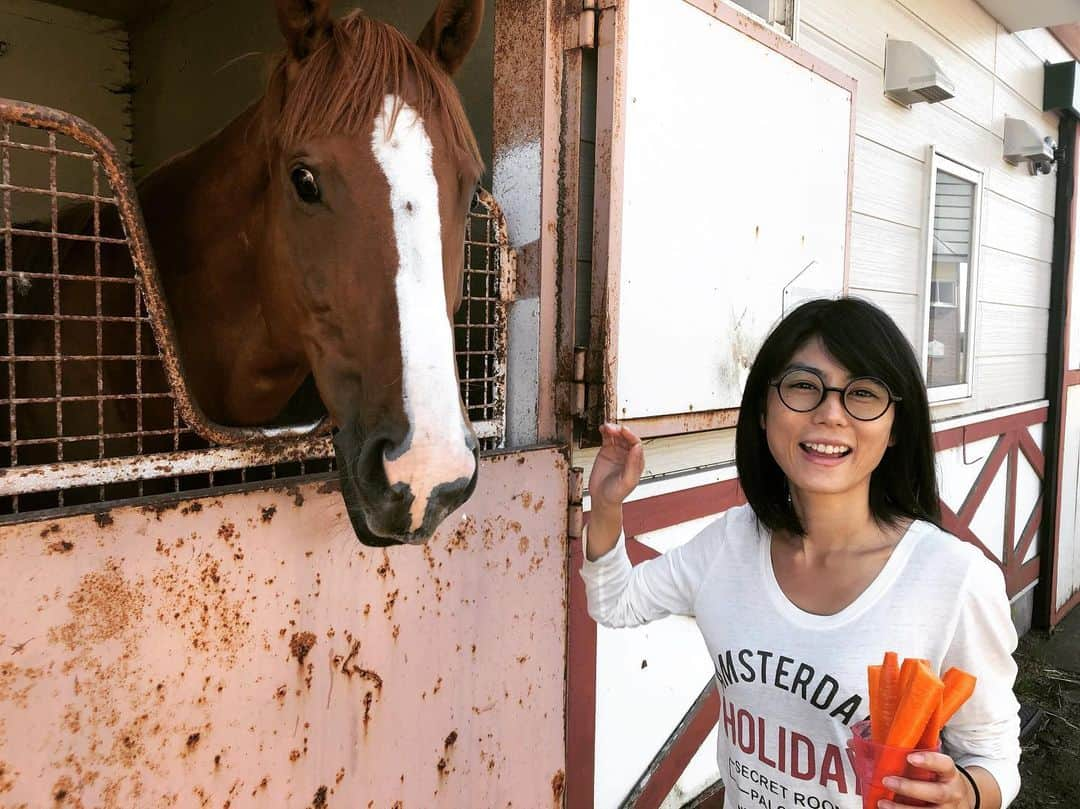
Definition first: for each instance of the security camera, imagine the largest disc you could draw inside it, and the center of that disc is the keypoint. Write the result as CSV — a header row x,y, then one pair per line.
x,y
1042,166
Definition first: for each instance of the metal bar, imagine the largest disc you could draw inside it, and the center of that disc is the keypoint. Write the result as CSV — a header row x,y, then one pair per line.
x,y
109,279
45,234
31,147
72,195
51,477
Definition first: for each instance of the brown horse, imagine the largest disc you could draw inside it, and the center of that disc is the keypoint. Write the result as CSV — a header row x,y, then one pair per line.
x,y
320,233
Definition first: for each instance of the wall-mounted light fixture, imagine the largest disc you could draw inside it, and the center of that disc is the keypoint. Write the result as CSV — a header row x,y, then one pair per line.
x,y
912,75
1023,144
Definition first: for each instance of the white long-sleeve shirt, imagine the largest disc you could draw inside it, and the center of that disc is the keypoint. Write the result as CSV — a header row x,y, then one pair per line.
x,y
792,683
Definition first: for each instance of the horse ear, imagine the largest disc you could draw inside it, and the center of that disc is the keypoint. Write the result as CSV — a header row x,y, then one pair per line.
x,y
304,24
451,32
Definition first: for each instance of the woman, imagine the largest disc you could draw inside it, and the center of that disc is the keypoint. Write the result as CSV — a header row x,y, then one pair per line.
x,y
838,557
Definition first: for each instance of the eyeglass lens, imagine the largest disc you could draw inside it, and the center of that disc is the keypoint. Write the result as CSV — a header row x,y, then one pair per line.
x,y
864,398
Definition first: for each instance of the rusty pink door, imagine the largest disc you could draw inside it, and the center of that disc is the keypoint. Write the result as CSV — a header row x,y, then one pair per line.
x,y
244,650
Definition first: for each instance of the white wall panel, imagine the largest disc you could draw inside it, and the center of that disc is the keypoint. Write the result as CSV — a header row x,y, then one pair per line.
x,y
963,22
888,185
1016,228
1011,330
904,309
864,26
1011,279
885,256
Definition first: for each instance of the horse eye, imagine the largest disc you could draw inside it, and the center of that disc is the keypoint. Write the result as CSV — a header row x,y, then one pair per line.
x,y
307,187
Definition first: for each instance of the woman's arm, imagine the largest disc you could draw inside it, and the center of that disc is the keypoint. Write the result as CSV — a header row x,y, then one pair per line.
x,y
615,473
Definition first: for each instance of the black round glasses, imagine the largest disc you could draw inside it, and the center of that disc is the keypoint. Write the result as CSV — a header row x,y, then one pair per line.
x,y
865,398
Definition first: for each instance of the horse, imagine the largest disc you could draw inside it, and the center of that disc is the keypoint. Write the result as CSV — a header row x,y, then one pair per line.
x,y
318,235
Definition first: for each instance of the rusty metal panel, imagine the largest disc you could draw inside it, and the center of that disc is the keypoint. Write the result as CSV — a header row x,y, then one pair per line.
x,y
244,650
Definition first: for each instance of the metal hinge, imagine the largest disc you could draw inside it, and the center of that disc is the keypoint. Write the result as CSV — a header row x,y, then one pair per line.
x,y
577,383
583,34
575,519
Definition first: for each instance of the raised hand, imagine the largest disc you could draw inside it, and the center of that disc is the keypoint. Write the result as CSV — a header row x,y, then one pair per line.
x,y
617,468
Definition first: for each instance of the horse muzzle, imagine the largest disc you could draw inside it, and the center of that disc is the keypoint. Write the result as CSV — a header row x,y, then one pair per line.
x,y
385,512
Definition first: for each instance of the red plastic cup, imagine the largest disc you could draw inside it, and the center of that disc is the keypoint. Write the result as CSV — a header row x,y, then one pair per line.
x,y
869,755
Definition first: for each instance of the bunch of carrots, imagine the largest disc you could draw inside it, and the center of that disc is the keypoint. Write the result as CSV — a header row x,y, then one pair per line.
x,y
909,705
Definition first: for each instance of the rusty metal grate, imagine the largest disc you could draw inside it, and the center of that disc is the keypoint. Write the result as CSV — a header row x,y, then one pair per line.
x,y
480,323
92,406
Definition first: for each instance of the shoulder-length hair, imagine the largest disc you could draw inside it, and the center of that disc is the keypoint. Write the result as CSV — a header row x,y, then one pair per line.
x,y
866,342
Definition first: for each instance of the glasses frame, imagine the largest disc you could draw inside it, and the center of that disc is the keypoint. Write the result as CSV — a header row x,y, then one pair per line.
x,y
825,389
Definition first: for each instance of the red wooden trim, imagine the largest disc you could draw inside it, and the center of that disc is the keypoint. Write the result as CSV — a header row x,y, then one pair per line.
x,y
1072,377
639,552
1032,452
1009,539
1066,608
1020,577
1031,529
665,510
680,753
951,523
984,480
947,439
581,690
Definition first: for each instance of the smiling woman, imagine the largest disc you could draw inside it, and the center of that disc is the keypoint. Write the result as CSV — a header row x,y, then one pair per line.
x,y
838,556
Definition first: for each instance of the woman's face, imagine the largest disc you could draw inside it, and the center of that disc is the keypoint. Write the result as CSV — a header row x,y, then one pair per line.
x,y
825,451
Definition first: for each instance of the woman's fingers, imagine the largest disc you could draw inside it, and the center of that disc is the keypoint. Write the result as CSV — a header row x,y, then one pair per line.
x,y
946,790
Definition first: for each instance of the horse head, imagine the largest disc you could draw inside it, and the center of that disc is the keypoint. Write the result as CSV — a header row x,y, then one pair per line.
x,y
372,166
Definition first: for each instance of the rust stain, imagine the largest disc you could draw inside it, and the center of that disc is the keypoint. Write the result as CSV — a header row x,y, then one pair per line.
x,y
16,683
459,538
52,529
103,519
388,607
192,740
192,508
558,785
319,801
451,740
526,499
103,606
63,546
201,606
268,513
227,531
296,494
301,644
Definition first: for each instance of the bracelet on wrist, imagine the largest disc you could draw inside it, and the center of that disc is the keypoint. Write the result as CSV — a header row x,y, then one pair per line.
x,y
974,786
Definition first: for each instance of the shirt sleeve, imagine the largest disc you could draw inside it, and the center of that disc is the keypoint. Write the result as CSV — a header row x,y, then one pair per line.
x,y
985,732
622,595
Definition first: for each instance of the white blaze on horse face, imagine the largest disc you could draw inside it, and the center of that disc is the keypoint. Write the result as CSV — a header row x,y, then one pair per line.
x,y
435,451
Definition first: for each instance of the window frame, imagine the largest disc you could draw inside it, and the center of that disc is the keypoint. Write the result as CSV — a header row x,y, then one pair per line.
x,y
938,162
783,16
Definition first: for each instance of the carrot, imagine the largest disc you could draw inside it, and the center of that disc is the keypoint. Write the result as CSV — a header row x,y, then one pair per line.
x,y
958,688
907,670
877,721
889,690
916,707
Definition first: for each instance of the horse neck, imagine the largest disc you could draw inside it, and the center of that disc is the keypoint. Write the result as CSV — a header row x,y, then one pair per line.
x,y
204,210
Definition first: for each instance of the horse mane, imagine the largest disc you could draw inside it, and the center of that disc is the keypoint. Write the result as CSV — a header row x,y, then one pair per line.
x,y
340,87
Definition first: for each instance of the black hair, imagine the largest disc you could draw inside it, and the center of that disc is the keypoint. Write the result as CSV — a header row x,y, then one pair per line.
x,y
867,342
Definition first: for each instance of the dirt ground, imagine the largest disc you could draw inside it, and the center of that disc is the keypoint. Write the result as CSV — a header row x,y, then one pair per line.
x,y
1049,678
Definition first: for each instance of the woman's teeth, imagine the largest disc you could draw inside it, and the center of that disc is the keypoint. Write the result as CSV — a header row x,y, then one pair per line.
x,y
828,449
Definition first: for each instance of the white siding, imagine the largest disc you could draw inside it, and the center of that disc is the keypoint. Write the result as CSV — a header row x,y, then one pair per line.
x,y
996,74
